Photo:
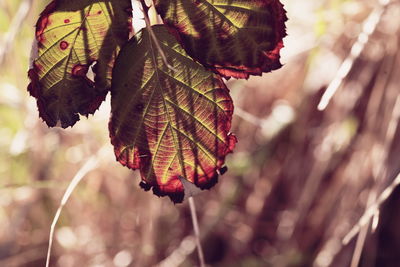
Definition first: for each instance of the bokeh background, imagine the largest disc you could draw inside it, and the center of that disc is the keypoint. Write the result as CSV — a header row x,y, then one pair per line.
x,y
305,186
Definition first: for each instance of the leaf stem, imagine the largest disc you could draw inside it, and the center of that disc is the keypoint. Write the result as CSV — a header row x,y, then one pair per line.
x,y
153,36
196,231
90,164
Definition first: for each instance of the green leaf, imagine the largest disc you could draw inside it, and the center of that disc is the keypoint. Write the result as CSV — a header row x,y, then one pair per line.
x,y
235,38
170,124
72,36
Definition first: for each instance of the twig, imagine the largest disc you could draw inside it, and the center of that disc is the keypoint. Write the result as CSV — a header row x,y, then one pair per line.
x,y
362,236
369,27
371,211
87,167
196,231
188,244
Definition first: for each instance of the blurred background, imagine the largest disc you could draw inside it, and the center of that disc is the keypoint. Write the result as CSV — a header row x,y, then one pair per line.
x,y
310,183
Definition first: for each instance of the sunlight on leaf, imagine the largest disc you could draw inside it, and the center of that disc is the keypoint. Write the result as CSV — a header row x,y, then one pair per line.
x,y
235,38
71,38
169,124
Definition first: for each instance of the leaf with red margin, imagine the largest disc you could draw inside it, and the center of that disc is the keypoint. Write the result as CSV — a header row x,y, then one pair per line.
x,y
71,36
235,38
171,125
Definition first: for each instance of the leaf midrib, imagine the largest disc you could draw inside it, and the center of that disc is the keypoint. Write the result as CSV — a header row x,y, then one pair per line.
x,y
180,159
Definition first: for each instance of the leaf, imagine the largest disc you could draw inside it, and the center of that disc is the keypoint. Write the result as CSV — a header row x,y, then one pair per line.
x,y
235,38
72,36
169,124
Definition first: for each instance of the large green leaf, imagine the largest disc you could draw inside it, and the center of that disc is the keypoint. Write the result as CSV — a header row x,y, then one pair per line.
x,y
170,124
235,38
72,36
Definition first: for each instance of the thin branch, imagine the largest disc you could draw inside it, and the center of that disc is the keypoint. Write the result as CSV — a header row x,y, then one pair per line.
x,y
196,231
362,236
371,211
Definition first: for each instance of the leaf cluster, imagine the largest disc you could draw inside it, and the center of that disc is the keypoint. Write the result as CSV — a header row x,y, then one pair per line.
x,y
171,110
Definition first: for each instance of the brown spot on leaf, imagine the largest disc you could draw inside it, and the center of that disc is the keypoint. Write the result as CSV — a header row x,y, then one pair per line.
x,y
64,45
66,21
44,22
80,70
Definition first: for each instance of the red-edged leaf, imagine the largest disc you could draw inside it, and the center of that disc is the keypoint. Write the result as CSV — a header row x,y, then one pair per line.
x,y
71,36
235,38
171,125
